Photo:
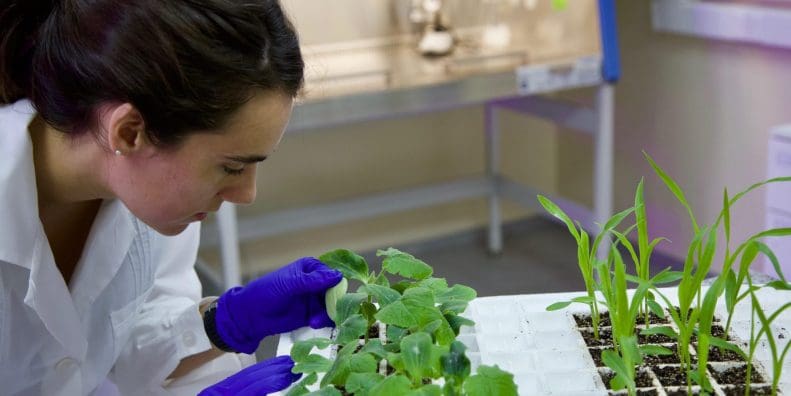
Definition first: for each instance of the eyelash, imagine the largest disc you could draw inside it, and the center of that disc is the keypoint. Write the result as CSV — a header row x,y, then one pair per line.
x,y
233,172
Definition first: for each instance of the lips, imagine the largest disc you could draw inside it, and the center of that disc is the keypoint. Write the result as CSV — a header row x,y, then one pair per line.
x,y
201,216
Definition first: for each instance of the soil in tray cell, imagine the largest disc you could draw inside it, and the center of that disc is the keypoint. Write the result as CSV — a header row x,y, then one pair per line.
x,y
648,359
584,320
659,359
677,309
717,331
654,319
736,375
640,392
665,359
654,339
738,390
643,379
722,355
605,337
681,392
596,356
670,375
373,332
647,392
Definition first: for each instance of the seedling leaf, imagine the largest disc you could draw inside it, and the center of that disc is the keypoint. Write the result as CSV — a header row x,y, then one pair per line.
x,y
667,276
614,362
393,385
655,350
416,353
352,328
456,321
455,364
348,305
779,285
374,347
558,305
722,344
404,264
663,330
490,381
426,390
772,258
362,363
436,285
362,382
313,364
301,388
397,314
654,307
383,295
555,210
301,349
674,188
456,293
352,265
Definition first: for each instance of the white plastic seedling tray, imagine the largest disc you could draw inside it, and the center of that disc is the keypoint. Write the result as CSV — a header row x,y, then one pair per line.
x,y
546,352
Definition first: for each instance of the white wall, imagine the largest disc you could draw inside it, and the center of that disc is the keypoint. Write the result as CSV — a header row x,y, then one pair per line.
x,y
702,109
335,163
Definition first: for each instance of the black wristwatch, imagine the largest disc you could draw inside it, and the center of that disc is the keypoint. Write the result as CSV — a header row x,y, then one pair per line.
x,y
210,326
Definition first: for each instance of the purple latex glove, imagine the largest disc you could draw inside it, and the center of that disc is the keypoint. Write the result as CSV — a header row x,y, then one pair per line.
x,y
284,300
259,379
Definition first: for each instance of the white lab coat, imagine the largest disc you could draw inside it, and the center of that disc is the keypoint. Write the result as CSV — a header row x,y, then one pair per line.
x,y
130,313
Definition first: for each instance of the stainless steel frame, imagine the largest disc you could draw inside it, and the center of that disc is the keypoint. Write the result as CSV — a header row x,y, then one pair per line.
x,y
395,82
597,121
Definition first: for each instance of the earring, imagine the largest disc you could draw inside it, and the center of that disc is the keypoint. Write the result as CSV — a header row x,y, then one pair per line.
x,y
118,152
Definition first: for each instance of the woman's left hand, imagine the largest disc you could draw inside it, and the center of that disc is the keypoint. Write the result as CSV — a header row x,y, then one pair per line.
x,y
259,379
284,300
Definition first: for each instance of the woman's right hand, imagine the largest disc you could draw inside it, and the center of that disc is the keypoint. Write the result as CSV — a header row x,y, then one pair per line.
x,y
259,379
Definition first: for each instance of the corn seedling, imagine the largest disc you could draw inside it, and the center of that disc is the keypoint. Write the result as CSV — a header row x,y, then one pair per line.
x,y
626,354
777,353
586,256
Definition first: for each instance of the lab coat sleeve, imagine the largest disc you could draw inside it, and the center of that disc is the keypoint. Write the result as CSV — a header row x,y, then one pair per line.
x,y
169,327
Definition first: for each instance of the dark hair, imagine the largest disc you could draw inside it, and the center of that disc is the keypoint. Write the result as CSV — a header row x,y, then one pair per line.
x,y
186,65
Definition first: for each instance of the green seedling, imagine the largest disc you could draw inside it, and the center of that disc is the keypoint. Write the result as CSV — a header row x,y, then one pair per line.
x,y
422,315
645,249
695,308
626,354
698,262
701,252
586,256
778,354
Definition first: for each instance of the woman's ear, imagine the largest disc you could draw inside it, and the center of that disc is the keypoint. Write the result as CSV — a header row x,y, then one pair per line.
x,y
125,129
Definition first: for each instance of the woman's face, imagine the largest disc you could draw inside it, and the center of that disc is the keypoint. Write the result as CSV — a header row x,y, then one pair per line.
x,y
170,188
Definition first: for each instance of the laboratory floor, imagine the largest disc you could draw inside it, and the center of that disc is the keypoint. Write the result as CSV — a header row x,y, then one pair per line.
x,y
539,256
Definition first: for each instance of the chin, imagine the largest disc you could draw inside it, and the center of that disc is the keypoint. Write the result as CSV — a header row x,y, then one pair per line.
x,y
170,229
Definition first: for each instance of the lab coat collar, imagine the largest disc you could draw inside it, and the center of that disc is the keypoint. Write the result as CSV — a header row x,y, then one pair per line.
x,y
18,198
111,235
26,244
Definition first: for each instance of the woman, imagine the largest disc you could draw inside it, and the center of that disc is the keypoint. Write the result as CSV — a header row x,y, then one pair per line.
x,y
123,123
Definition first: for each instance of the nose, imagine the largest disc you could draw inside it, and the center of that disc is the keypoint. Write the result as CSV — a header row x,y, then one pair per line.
x,y
243,192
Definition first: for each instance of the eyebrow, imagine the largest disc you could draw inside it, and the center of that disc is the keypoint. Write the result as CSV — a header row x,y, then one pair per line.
x,y
246,159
